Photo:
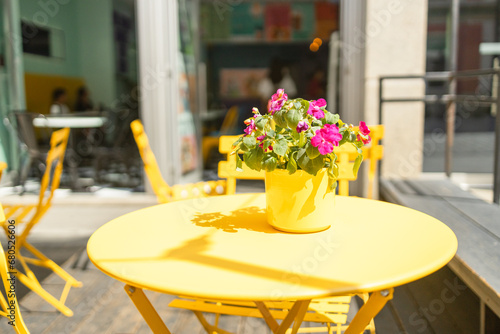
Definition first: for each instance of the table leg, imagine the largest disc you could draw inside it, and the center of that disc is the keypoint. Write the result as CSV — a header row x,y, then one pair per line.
x,y
295,316
147,310
369,310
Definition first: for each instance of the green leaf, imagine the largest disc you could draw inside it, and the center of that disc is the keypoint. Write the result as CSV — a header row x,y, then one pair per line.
x,y
279,119
260,123
357,164
302,139
332,185
240,139
305,103
331,118
317,123
333,173
243,147
271,133
267,143
312,152
239,163
343,140
253,158
311,166
280,147
292,164
269,163
293,118
249,141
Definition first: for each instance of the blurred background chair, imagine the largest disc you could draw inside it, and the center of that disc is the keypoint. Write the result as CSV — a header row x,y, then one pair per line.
x,y
163,191
28,216
3,166
33,154
210,143
117,152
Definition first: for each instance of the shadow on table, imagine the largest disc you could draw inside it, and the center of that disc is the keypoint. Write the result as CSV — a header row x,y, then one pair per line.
x,y
252,218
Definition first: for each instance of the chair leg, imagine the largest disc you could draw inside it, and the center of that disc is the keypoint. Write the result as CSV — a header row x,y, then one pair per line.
x,y
48,263
369,310
37,288
147,310
24,168
28,278
210,329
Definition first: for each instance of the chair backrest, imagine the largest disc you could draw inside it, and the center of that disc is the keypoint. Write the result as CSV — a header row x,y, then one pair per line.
x,y
52,175
25,129
161,189
230,121
346,155
11,300
3,166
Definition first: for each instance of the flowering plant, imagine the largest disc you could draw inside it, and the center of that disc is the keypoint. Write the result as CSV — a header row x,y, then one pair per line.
x,y
303,136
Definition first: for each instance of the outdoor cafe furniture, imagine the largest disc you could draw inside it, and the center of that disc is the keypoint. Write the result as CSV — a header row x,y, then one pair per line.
x,y
80,121
164,192
26,216
9,306
334,310
222,248
3,166
83,120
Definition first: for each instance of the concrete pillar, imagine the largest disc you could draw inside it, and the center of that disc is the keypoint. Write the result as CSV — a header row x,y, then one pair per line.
x,y
157,27
396,35
14,70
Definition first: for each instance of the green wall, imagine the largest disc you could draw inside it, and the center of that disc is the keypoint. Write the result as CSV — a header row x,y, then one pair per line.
x,y
87,26
54,16
95,21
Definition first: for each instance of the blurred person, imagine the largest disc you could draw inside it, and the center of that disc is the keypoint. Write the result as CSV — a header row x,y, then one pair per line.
x,y
83,101
278,77
59,98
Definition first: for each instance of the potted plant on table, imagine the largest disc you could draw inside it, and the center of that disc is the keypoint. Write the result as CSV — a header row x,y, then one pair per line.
x,y
294,142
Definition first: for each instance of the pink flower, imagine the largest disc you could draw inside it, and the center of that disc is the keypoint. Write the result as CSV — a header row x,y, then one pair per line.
x,y
365,133
326,138
261,138
250,126
302,126
365,141
315,108
363,128
277,101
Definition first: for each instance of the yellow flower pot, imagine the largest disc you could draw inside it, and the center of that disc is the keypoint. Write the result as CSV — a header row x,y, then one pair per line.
x,y
299,202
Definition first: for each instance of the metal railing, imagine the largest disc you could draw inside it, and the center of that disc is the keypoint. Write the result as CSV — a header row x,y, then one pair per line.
x,y
450,101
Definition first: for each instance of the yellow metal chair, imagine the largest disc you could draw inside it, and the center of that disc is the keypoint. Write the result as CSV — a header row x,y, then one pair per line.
x,y
331,311
208,143
9,307
3,166
346,155
162,190
29,215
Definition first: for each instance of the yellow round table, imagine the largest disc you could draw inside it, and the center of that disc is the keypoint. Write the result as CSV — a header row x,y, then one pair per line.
x,y
223,248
